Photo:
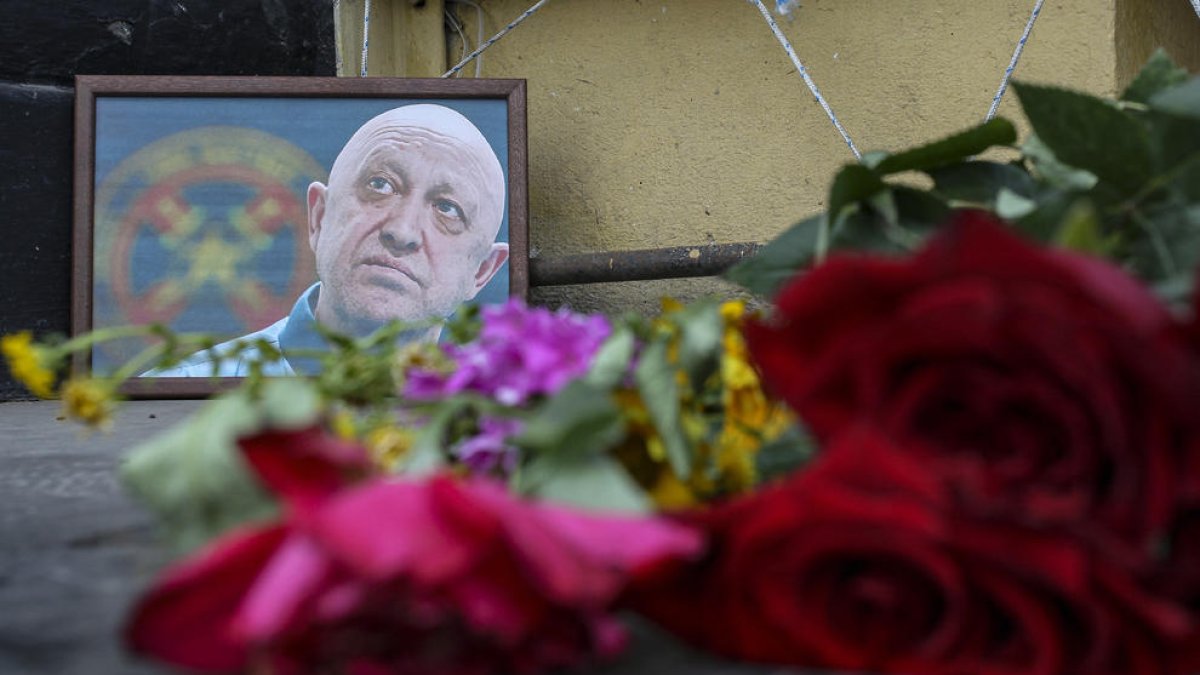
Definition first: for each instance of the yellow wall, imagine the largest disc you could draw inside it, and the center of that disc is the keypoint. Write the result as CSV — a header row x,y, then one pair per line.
x,y
1145,25
673,122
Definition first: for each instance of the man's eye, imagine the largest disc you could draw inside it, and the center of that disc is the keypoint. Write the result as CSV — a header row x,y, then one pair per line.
x,y
381,185
449,208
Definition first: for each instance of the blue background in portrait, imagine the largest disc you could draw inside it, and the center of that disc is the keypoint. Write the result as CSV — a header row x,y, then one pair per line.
x,y
319,126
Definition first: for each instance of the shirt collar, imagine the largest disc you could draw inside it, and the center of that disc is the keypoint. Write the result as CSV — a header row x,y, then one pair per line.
x,y
300,332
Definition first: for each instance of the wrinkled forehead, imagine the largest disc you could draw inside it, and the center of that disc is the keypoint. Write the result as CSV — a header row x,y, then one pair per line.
x,y
435,130
429,122
436,118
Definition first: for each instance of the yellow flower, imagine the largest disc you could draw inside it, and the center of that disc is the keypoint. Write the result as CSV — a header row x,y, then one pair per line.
x,y
343,425
419,356
389,444
89,401
386,441
670,305
742,396
671,494
28,363
725,420
721,468
645,457
751,417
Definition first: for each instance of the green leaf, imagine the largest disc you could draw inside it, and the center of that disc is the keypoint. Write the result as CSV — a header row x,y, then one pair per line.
x,y
785,454
287,403
868,214
597,483
884,205
978,183
1176,291
1165,241
920,211
865,230
1011,206
334,338
463,326
430,447
1081,231
917,214
1187,181
1054,171
1090,133
428,452
655,378
951,150
356,376
854,183
700,330
1051,206
581,419
1182,100
893,221
780,260
1174,120
193,477
1177,144
1158,74
872,159
612,361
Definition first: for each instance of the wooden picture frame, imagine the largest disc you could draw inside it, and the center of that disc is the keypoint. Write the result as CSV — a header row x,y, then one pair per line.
x,y
188,191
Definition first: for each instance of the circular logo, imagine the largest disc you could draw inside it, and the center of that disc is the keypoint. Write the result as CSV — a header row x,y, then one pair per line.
x,y
204,230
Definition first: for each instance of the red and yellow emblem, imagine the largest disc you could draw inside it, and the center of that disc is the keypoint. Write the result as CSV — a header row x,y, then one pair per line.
x,y
204,230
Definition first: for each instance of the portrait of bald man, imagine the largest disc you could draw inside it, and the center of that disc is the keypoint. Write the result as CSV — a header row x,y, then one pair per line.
x,y
405,229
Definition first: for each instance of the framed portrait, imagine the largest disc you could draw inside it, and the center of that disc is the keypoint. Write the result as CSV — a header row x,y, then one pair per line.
x,y
257,208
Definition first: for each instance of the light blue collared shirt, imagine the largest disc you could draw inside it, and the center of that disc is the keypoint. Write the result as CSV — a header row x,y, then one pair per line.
x,y
296,331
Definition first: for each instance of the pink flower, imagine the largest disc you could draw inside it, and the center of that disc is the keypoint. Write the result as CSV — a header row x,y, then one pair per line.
x,y
436,576
521,352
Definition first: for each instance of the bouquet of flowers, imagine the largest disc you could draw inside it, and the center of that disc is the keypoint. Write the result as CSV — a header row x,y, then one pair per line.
x,y
962,438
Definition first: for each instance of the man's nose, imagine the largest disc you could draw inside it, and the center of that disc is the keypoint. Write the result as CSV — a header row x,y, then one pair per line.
x,y
401,231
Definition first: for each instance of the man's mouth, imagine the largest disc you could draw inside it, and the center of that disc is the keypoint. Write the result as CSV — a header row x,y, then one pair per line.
x,y
392,268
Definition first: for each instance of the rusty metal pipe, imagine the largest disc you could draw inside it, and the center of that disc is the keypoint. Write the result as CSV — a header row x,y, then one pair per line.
x,y
673,262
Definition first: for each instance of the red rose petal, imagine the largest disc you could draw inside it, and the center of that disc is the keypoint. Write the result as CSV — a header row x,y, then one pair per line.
x,y
304,467
390,529
186,618
285,587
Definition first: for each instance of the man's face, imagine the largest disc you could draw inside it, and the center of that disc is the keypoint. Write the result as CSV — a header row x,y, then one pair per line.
x,y
406,228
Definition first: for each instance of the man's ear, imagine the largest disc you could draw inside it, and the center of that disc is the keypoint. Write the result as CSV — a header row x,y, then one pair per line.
x,y
316,212
491,264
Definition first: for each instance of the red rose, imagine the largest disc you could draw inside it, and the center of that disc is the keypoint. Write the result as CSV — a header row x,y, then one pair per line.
x,y
1051,382
385,576
1191,494
866,561
1179,575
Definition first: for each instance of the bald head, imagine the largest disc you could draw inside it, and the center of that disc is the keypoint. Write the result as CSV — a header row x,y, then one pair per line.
x,y
406,228
412,124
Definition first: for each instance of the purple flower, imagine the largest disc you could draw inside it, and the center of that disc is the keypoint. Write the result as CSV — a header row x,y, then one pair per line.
x,y
423,384
488,451
521,352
